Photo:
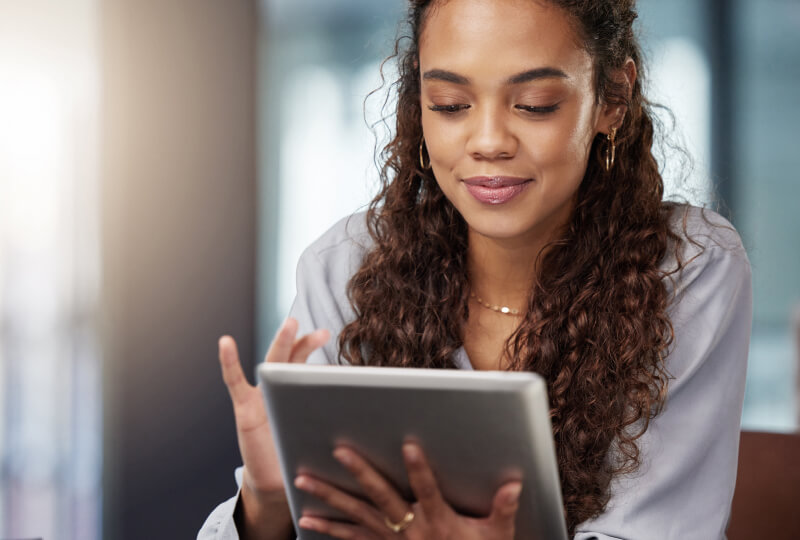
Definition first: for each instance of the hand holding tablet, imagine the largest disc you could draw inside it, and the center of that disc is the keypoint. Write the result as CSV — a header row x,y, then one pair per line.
x,y
374,450
431,516
382,451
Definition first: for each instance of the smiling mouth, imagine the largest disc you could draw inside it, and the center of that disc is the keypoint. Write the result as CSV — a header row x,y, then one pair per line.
x,y
494,190
496,182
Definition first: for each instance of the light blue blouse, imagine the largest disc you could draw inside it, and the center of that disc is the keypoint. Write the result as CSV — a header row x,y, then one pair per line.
x,y
684,486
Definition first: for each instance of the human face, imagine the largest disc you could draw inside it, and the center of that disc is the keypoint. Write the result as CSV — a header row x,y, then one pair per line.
x,y
509,112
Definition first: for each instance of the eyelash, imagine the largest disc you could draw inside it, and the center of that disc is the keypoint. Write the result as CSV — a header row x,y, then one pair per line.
x,y
538,110
453,109
448,109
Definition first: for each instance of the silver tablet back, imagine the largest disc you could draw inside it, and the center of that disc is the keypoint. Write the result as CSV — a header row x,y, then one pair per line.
x,y
479,430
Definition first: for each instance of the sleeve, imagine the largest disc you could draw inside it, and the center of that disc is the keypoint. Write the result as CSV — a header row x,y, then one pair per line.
x,y
684,486
219,524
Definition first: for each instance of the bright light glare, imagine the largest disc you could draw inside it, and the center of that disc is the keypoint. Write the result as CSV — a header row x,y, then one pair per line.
x,y
49,251
31,152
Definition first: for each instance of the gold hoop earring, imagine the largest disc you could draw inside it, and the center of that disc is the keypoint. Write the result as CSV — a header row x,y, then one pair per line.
x,y
611,149
421,159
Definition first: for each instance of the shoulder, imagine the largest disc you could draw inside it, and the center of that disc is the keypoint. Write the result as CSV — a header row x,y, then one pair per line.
x,y
323,272
326,266
711,293
338,253
707,244
346,234
702,228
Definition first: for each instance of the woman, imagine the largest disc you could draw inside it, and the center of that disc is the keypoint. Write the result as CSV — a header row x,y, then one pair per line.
x,y
521,226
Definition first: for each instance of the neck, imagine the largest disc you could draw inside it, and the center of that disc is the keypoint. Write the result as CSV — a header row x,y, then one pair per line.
x,y
502,271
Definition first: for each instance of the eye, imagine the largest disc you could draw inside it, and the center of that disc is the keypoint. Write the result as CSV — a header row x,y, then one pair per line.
x,y
538,110
448,109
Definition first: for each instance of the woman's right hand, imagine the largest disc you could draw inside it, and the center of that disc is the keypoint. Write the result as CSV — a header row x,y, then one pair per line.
x,y
265,511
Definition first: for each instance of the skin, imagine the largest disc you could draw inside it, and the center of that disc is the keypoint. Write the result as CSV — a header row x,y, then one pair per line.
x,y
263,511
485,44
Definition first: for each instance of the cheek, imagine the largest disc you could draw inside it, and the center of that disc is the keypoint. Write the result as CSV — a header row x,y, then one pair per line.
x,y
563,143
442,140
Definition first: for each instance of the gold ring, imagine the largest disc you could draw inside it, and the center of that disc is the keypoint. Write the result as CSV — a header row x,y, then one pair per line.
x,y
401,525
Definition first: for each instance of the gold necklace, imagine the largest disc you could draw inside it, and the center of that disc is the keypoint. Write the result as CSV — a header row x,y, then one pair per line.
x,y
505,310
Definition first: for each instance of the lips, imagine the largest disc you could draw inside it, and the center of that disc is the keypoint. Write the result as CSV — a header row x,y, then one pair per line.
x,y
495,182
496,189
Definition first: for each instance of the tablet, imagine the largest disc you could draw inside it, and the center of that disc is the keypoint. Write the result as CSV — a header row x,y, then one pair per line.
x,y
479,429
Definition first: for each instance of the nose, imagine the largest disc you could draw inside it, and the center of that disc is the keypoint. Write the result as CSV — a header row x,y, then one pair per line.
x,y
491,138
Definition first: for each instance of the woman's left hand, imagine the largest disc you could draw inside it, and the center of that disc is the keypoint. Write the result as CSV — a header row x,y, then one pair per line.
x,y
429,517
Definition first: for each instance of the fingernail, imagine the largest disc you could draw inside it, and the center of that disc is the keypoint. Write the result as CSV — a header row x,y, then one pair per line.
x,y
411,453
343,456
303,483
306,523
513,493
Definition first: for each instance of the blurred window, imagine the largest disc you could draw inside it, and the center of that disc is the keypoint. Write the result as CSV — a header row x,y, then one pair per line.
x,y
319,61
765,167
50,411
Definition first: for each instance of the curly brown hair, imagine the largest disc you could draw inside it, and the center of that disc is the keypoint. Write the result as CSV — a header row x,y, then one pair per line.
x,y
596,327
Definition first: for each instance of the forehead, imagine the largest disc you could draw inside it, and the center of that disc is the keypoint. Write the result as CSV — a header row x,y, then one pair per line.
x,y
501,37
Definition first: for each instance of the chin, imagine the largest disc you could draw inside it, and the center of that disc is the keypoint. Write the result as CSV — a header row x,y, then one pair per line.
x,y
499,227
516,222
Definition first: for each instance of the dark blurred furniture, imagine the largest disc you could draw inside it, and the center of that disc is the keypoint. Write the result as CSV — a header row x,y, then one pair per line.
x,y
766,503
796,325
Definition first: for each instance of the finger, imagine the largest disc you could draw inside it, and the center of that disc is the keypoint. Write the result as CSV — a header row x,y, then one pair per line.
x,y
505,505
377,488
423,483
335,529
356,509
282,343
308,344
238,387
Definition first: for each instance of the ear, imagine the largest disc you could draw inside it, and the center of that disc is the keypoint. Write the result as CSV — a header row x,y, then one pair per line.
x,y
612,114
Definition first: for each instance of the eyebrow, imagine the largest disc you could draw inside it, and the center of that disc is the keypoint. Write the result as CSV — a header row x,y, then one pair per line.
x,y
519,78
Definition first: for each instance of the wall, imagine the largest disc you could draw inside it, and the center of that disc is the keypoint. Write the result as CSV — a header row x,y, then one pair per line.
x,y
179,195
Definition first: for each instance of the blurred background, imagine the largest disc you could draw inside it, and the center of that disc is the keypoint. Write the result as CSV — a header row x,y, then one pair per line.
x,y
163,163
